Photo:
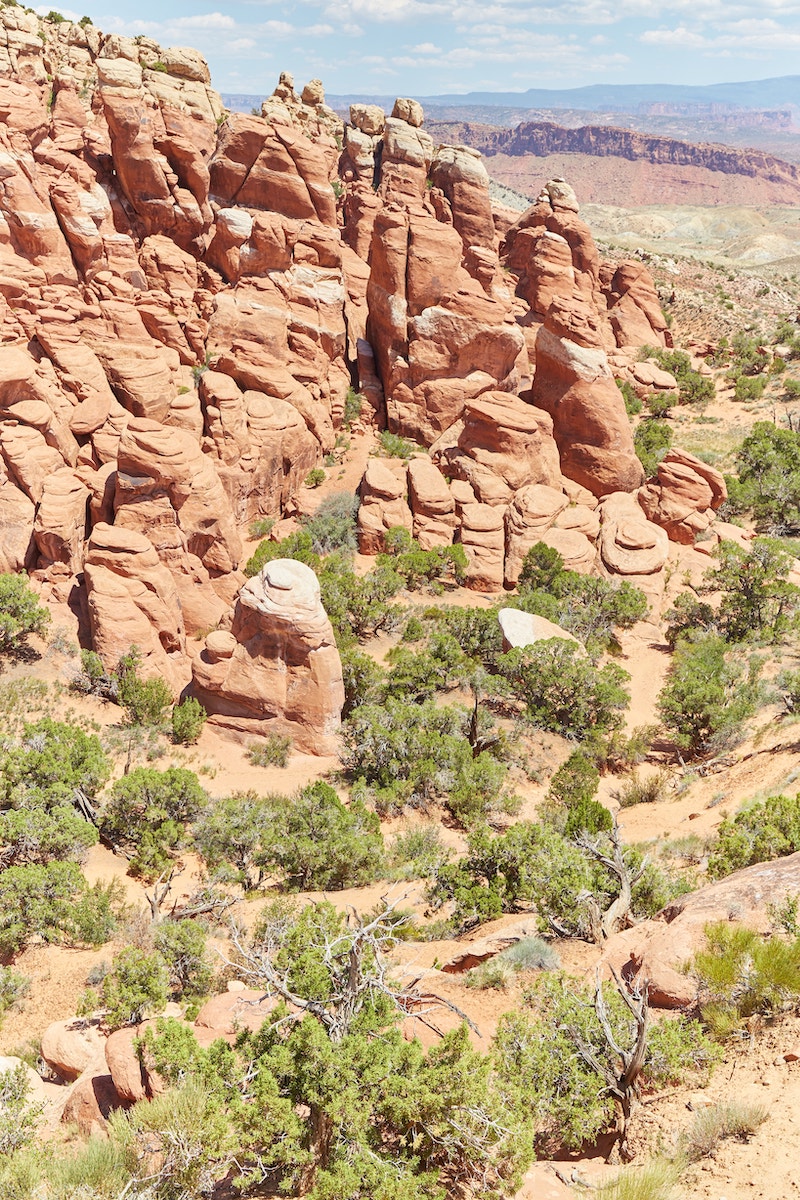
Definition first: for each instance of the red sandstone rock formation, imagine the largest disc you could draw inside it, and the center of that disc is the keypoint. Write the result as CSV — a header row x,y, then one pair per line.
x,y
278,669
185,300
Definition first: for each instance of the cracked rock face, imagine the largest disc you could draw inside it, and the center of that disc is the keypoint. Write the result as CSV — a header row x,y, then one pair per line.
x,y
278,669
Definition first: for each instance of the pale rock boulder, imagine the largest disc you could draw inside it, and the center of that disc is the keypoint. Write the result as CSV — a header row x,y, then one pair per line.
x,y
409,110
684,496
133,601
60,526
483,539
504,445
522,629
532,511
383,505
285,674
431,503
368,118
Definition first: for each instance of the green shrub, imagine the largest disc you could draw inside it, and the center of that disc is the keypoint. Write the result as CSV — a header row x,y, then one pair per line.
x,y
394,446
135,988
693,387
182,945
769,477
747,390
188,719
297,545
569,802
55,763
310,840
539,1057
39,835
648,789
531,954
762,831
654,1180
314,478
261,527
145,700
363,679
19,1114
21,614
562,691
633,405
709,694
418,567
417,854
146,813
319,844
40,901
740,974
413,753
353,404
651,442
659,404
13,989
493,974
590,608
333,525
93,679
272,751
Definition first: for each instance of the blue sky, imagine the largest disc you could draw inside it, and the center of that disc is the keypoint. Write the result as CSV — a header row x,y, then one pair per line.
x,y
426,47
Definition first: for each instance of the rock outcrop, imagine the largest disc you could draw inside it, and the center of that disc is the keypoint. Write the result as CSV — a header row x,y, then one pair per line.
x,y
186,297
277,670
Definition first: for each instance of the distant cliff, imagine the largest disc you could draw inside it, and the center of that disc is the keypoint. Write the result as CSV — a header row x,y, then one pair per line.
x,y
542,139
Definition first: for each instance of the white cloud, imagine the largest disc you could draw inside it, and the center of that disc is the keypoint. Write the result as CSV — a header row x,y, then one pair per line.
x,y
215,20
43,9
745,35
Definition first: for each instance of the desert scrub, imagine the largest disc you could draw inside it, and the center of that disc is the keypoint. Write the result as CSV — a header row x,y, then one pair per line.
x,y
654,1180
643,789
272,751
528,954
739,974
735,1119
394,446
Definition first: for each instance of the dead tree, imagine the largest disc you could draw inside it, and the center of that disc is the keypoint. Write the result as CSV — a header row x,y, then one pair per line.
x,y
355,960
622,1068
618,914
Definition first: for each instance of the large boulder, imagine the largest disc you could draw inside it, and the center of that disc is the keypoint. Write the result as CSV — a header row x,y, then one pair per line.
x,y
281,671
684,496
71,1046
